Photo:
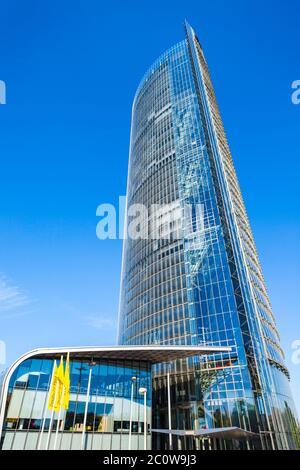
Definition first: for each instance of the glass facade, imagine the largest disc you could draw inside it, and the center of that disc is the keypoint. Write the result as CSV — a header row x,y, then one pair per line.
x,y
206,285
27,418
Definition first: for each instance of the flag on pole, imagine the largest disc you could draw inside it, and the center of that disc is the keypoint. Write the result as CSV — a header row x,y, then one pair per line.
x,y
59,394
53,387
60,385
66,395
56,388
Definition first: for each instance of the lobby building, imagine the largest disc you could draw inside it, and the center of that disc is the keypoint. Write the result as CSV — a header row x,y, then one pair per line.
x,y
110,405
198,283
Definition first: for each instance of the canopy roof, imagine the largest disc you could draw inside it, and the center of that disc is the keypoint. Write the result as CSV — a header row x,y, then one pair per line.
x,y
151,353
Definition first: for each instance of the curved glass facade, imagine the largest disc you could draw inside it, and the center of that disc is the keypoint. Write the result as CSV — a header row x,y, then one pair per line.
x,y
202,283
109,409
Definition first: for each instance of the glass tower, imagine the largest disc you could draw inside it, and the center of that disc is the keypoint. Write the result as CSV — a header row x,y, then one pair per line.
x,y
198,282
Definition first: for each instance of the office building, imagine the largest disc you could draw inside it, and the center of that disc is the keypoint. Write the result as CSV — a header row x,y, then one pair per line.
x,y
193,277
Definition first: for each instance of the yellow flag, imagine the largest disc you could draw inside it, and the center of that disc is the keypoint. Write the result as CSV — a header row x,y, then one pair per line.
x,y
53,386
66,396
60,385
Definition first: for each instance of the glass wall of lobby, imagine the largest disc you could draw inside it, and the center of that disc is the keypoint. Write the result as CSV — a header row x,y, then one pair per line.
x,y
200,404
109,412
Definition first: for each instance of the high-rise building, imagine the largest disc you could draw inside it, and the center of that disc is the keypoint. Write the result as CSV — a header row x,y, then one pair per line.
x,y
197,282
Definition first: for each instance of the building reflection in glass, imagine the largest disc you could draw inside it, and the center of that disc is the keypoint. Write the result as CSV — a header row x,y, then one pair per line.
x,y
108,414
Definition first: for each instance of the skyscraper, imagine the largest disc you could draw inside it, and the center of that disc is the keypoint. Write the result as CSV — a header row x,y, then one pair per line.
x,y
206,285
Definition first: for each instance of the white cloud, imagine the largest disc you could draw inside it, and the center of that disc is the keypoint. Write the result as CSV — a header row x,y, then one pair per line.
x,y
12,298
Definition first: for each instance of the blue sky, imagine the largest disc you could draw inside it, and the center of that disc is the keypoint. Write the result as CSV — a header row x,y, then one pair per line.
x,y
71,70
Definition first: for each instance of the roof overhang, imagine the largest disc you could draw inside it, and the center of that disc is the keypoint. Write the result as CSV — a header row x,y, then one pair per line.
x,y
152,353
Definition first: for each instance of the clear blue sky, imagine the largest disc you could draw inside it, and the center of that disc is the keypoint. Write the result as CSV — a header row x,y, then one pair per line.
x,y
71,70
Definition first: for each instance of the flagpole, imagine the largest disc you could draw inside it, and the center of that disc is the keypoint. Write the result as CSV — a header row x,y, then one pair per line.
x,y
66,389
59,412
58,392
86,409
58,419
42,430
45,409
52,415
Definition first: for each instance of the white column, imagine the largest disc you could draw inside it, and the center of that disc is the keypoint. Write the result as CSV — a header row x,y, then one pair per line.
x,y
133,379
143,391
145,420
169,408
